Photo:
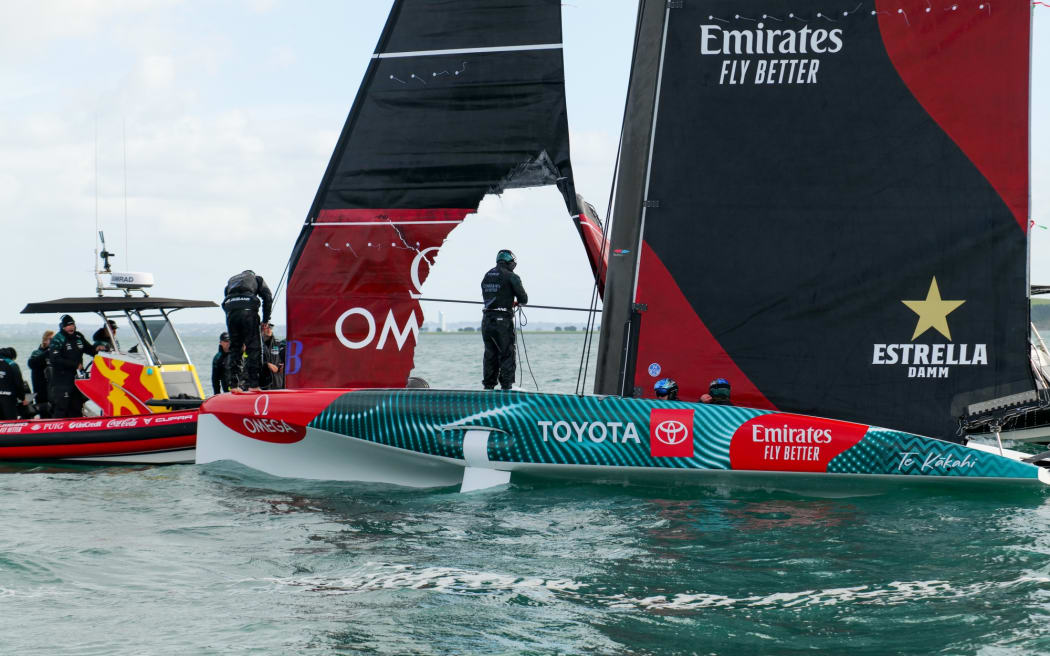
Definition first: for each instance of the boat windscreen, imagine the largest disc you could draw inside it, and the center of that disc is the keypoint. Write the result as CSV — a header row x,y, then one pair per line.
x,y
166,345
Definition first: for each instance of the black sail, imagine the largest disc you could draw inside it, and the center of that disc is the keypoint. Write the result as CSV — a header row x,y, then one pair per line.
x,y
462,98
834,214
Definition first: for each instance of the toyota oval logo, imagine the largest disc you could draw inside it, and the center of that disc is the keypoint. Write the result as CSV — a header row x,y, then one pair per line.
x,y
671,432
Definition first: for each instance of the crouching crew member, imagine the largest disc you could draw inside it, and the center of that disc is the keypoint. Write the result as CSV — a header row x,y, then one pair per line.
x,y
666,389
12,388
717,392
65,358
243,294
501,290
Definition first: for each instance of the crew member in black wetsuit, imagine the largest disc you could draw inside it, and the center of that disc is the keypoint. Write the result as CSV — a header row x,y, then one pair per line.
x,y
65,357
219,383
12,387
501,290
38,374
242,298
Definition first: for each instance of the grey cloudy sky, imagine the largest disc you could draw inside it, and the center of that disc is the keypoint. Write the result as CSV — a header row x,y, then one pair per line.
x,y
231,111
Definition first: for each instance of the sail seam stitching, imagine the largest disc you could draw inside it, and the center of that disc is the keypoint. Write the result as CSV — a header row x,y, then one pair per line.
x,y
465,51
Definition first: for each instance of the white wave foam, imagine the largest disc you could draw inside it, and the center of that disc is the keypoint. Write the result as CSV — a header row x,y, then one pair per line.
x,y
385,576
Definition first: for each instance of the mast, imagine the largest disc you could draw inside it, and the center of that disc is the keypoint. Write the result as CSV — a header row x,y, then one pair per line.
x,y
620,319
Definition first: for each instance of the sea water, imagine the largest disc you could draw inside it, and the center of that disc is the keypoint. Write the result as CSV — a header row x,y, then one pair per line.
x,y
225,560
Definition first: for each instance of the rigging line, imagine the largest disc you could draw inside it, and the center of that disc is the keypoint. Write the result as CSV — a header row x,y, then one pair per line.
x,y
588,339
520,334
124,135
531,307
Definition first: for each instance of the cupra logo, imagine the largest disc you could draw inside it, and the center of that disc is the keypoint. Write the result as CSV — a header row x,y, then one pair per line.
x,y
671,432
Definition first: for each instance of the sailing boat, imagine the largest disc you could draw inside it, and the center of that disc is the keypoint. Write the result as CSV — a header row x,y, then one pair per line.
x,y
795,193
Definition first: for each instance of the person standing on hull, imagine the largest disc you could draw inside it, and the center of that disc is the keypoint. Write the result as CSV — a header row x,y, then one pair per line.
x,y
501,291
219,381
12,387
65,359
243,294
38,375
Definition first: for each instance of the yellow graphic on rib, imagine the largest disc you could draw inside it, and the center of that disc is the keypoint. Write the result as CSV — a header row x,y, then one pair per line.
x,y
120,403
151,380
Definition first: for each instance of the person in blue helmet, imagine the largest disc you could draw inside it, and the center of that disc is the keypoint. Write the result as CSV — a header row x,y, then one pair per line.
x,y
501,290
717,392
666,389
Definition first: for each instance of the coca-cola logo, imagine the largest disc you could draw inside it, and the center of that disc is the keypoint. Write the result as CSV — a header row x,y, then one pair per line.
x,y
671,432
122,423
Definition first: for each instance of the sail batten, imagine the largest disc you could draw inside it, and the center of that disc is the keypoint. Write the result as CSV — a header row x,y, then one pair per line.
x,y
465,51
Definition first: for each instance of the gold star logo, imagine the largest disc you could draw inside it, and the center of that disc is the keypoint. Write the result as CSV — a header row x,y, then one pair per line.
x,y
933,312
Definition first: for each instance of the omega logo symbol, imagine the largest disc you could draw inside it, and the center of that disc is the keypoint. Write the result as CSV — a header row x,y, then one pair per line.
x,y
671,432
262,405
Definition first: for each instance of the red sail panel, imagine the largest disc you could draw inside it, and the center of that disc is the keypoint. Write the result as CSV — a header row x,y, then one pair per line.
x,y
968,67
678,345
353,311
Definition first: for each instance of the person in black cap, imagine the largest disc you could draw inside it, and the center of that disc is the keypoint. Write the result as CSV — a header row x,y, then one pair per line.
x,y
105,340
241,299
65,358
273,359
219,383
502,291
12,387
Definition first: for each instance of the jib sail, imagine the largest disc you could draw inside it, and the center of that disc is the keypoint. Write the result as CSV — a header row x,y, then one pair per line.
x,y
462,98
827,208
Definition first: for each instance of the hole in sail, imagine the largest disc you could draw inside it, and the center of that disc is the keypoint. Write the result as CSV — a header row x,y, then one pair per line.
x,y
552,264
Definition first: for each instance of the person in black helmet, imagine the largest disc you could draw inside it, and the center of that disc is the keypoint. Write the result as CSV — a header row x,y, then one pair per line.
x,y
243,294
501,290
65,359
717,392
666,389
219,383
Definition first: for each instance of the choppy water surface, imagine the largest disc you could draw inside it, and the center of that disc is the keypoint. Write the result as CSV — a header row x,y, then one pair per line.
x,y
222,559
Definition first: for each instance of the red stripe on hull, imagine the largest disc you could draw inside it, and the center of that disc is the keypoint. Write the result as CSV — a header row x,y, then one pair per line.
x,y
58,451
